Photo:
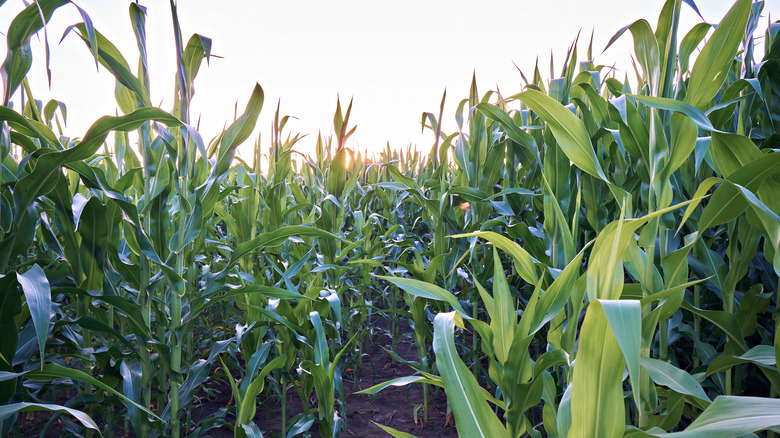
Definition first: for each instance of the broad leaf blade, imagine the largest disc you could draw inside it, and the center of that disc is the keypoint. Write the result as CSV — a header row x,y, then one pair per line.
x,y
568,130
473,415
597,408
38,294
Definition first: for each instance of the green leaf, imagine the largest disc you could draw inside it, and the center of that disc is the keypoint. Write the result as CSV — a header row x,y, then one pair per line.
x,y
684,139
504,318
605,269
556,224
52,371
690,41
725,321
393,432
198,48
191,229
689,110
646,51
625,320
321,346
8,410
10,307
422,289
111,58
276,238
97,133
610,244
324,389
239,131
19,59
564,418
232,381
731,152
38,294
468,193
131,386
24,126
524,262
138,20
52,106
251,430
555,297
730,416
761,355
666,374
549,359
400,381
514,132
712,64
597,408
473,415
93,227
47,169
732,197
568,129
248,406
487,299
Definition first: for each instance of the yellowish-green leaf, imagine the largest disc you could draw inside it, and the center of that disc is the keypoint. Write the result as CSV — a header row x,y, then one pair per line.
x,y
597,408
473,415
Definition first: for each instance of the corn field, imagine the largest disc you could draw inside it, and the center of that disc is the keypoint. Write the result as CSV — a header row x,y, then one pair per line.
x,y
593,256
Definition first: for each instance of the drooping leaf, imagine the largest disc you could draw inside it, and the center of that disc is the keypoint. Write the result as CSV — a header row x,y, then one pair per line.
x,y
419,288
568,130
729,416
393,432
8,410
666,374
524,262
38,295
473,416
19,58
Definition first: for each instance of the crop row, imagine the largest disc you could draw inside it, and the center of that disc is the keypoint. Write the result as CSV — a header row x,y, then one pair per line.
x,y
590,257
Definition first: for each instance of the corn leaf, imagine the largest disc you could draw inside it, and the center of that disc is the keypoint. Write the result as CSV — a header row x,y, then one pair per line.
x,y
472,413
8,410
569,131
597,407
37,292
729,416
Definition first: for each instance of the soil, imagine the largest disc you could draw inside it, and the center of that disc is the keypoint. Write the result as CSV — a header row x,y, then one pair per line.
x,y
393,406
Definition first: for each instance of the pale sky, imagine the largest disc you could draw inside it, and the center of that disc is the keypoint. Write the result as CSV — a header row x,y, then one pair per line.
x,y
394,58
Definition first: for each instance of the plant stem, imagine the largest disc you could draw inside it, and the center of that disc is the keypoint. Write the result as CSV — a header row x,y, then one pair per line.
x,y
86,363
697,320
175,362
284,388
